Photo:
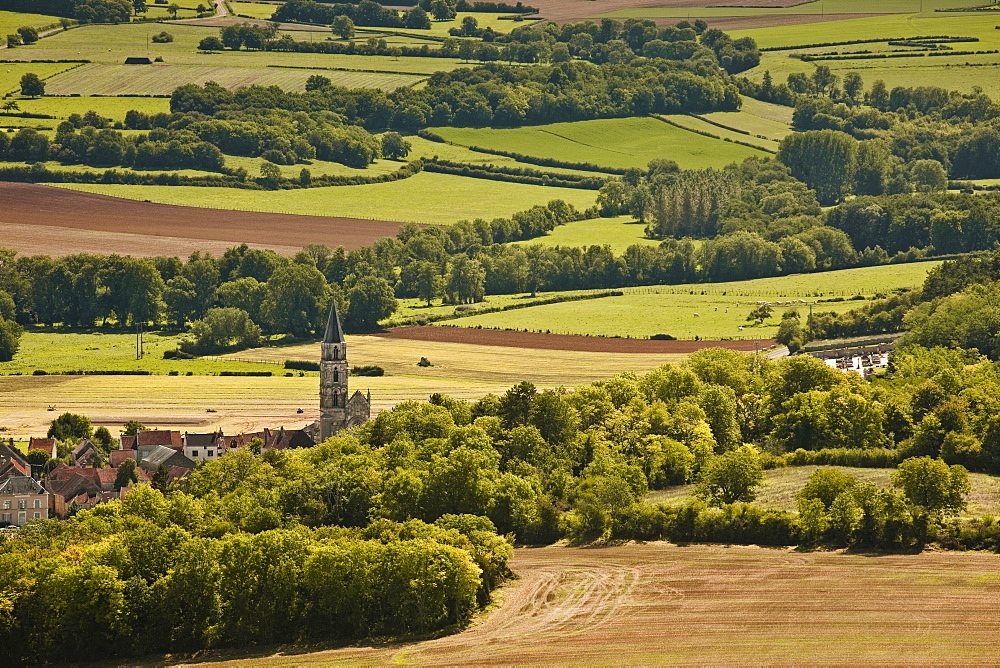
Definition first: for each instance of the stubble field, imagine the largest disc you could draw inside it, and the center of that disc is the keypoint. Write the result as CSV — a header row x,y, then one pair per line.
x,y
238,404
709,605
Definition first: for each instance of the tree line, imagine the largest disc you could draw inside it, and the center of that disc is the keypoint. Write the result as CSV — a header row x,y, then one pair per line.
x,y
490,95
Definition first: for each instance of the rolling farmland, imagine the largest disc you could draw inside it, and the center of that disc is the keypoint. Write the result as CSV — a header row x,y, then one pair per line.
x,y
423,198
618,142
40,219
11,21
662,604
706,310
781,486
619,233
162,79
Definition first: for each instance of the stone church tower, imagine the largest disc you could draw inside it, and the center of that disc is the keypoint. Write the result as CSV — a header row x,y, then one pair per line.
x,y
337,409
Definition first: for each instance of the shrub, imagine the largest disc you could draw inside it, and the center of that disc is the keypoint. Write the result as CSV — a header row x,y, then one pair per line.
x,y
162,37
302,365
368,370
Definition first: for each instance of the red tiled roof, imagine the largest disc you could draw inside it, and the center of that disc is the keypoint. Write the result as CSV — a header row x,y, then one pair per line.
x,y
127,443
165,437
118,456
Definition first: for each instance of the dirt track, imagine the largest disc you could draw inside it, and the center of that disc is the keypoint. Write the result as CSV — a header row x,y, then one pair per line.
x,y
593,344
67,219
661,604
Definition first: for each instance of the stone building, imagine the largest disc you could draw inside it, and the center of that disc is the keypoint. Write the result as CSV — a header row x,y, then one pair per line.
x,y
338,410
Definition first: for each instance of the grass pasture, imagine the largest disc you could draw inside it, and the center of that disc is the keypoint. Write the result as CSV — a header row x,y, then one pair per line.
x,y
11,21
423,198
111,44
11,73
57,351
761,119
114,108
162,79
696,10
616,142
782,485
700,125
707,310
619,232
661,604
256,10
958,72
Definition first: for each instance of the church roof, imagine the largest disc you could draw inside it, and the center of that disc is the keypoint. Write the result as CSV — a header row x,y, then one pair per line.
x,y
334,332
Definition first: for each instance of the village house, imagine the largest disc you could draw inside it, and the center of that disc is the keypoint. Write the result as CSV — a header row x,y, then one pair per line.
x,y
12,461
22,499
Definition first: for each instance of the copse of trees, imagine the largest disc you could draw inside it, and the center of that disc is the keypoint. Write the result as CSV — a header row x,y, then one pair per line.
x,y
491,95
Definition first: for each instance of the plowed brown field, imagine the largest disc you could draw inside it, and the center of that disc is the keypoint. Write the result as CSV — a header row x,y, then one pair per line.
x,y
706,605
592,344
55,221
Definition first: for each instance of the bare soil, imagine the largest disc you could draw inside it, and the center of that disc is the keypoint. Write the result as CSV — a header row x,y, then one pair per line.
x,y
593,344
68,222
711,605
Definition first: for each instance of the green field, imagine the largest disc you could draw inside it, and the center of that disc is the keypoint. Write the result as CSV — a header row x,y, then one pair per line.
x,y
257,10
619,233
57,351
819,8
707,310
11,21
761,119
423,198
162,79
11,73
111,44
700,125
114,108
951,72
783,484
616,142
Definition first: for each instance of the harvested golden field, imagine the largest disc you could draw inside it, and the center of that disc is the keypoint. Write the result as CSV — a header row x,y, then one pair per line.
x,y
663,604
237,403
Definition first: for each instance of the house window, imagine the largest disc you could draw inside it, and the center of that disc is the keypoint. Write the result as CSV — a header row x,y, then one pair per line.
x,y
38,503
22,504
6,505
37,515
194,453
211,453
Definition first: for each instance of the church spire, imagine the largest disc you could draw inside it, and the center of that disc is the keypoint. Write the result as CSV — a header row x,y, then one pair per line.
x,y
334,332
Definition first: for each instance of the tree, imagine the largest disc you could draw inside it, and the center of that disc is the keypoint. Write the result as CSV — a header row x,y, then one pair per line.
x,y
172,9
27,34
317,82
825,485
103,440
418,19
270,175
211,44
161,478
370,300
224,328
343,26
10,331
928,176
732,476
429,281
933,485
139,6
126,475
394,146
296,301
442,10
761,313
32,85
132,427
10,107
39,460
70,426
823,159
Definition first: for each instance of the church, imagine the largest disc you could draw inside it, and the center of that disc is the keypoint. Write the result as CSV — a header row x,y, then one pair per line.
x,y
338,410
